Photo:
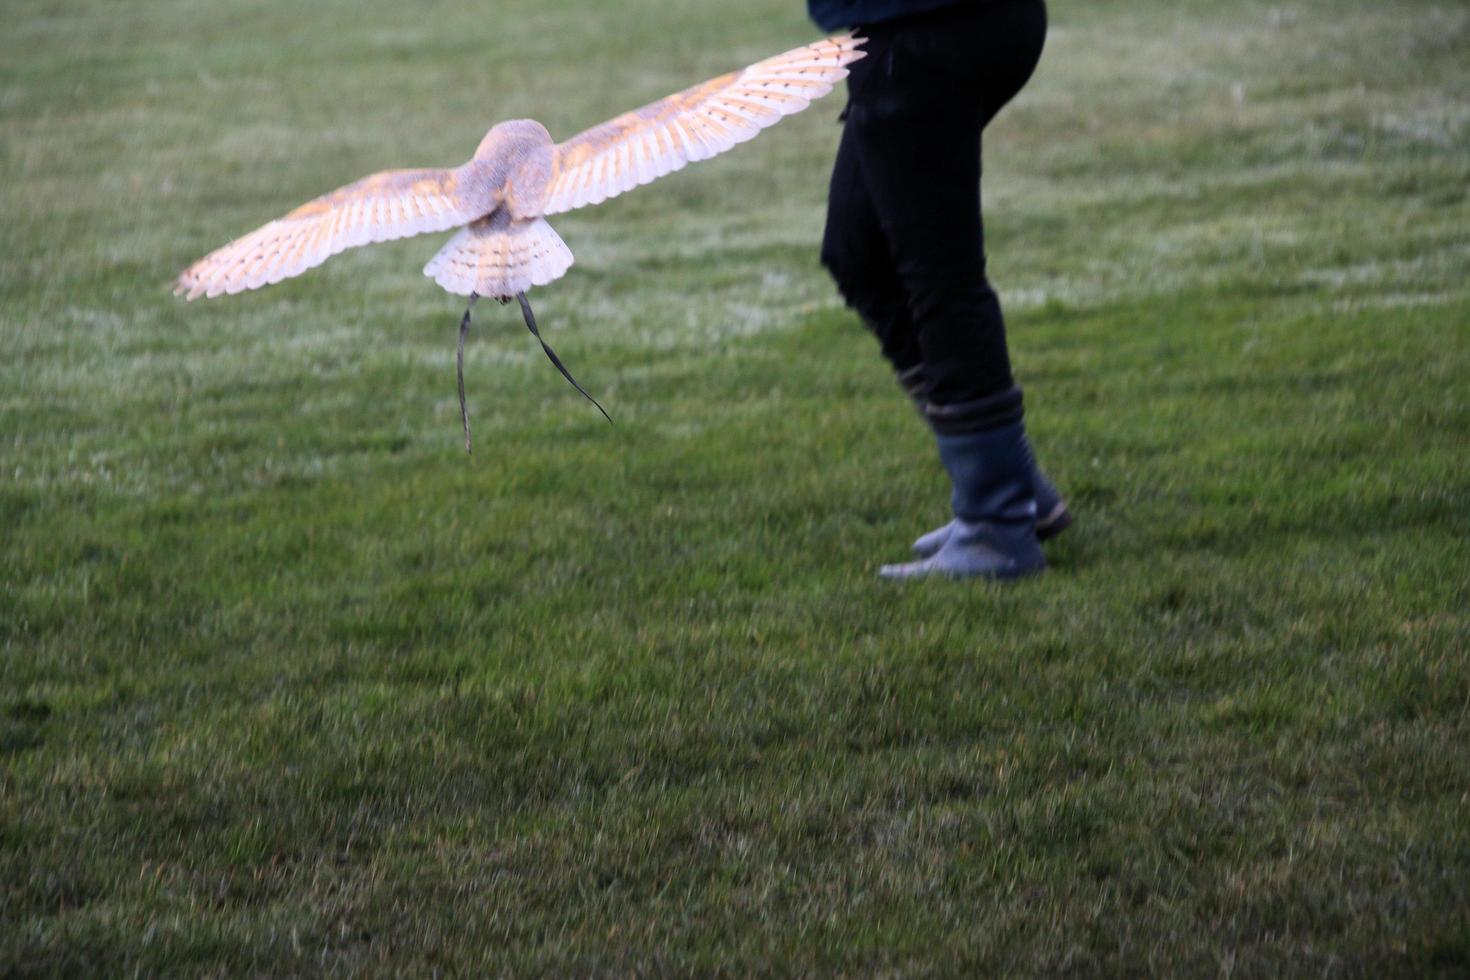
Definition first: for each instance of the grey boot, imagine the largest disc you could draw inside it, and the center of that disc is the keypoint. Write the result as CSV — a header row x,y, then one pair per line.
x,y
994,532
1052,516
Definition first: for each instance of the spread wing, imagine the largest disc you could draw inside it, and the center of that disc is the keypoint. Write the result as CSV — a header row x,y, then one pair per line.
x,y
384,206
695,124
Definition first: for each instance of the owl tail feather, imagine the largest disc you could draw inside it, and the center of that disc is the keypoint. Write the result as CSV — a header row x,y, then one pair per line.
x,y
499,256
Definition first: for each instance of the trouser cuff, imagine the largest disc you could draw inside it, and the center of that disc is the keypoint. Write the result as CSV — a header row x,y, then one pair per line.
x,y
915,383
981,415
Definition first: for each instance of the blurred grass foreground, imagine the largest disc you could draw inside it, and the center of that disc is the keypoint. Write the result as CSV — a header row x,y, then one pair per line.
x,y
292,686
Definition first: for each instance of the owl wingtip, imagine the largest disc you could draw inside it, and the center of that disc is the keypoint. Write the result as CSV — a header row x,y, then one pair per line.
x,y
181,286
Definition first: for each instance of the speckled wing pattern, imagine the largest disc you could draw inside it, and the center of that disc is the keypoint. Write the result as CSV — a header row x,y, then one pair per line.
x,y
379,208
695,124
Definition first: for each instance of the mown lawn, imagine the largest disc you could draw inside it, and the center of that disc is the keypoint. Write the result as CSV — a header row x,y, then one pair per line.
x,y
293,686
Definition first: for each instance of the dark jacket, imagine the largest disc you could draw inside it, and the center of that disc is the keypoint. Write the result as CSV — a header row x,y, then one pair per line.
x,y
832,14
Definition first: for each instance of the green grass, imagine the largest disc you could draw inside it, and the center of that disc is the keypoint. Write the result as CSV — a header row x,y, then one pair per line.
x,y
292,686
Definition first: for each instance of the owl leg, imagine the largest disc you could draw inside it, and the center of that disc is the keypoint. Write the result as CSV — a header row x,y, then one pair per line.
x,y
531,325
464,412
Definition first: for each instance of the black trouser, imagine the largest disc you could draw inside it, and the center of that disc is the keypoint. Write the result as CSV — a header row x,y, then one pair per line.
x,y
904,237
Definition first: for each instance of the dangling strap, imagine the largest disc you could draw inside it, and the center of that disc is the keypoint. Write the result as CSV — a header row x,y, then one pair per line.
x,y
531,325
464,412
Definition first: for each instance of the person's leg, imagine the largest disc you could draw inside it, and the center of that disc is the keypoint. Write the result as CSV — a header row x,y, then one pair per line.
x,y
916,118
856,253
919,104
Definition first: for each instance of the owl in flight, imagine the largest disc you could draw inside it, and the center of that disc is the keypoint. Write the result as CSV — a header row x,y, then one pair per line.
x,y
500,198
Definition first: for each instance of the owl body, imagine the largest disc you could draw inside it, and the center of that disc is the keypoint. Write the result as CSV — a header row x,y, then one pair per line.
x,y
516,157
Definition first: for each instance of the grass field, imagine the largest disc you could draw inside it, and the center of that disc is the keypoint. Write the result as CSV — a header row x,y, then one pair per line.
x,y
293,686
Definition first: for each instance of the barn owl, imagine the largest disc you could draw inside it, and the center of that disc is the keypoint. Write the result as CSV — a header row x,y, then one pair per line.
x,y
500,198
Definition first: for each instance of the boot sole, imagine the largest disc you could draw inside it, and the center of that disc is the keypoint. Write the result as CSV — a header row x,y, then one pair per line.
x,y
1054,523
1047,528
913,572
